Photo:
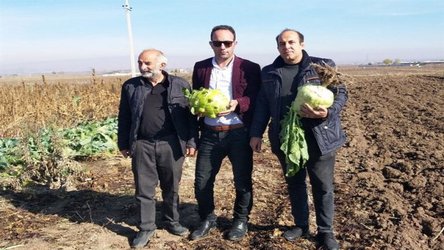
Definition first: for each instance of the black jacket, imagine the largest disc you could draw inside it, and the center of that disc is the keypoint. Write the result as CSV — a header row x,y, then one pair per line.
x,y
134,92
327,132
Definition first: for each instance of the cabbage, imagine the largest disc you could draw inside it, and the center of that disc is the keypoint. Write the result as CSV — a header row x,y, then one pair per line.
x,y
292,135
207,102
314,95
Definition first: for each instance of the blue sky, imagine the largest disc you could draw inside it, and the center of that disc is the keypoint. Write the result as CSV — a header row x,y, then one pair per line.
x,y
78,35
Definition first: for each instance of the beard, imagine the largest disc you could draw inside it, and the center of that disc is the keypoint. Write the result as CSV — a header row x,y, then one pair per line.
x,y
151,74
147,74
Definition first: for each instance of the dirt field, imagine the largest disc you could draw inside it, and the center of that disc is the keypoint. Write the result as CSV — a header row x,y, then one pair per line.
x,y
389,184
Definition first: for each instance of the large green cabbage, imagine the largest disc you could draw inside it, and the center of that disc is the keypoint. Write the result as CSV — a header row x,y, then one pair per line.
x,y
314,95
292,135
207,102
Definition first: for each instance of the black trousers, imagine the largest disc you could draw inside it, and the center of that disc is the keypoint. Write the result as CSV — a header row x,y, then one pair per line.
x,y
320,170
213,148
153,162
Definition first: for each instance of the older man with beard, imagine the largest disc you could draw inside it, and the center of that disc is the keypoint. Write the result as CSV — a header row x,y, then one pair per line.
x,y
157,130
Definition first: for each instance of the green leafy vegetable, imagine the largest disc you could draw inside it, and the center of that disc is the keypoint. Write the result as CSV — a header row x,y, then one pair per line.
x,y
293,143
207,102
9,152
85,140
292,136
314,95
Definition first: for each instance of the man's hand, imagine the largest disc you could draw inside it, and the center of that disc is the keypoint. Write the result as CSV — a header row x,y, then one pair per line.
x,y
191,152
256,144
231,108
316,113
125,153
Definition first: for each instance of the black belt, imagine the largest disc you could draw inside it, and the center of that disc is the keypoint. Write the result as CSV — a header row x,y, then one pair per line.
x,y
224,128
156,138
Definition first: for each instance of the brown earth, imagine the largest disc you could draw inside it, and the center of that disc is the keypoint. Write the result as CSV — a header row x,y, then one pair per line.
x,y
389,184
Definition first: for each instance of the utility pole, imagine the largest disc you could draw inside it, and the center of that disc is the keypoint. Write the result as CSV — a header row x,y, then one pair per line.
x,y
130,36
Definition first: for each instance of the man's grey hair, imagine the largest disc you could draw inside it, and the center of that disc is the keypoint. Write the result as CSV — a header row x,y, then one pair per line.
x,y
160,55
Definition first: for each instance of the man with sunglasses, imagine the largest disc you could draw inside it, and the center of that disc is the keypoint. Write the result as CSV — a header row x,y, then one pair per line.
x,y
226,135
322,129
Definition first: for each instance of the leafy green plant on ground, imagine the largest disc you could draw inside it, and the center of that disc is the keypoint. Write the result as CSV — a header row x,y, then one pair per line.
x,y
9,153
90,139
49,157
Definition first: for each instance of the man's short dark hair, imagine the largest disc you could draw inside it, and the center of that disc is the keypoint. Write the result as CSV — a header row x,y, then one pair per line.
x,y
223,27
301,37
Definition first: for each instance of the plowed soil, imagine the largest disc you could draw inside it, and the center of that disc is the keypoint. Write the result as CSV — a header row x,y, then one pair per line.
x,y
389,184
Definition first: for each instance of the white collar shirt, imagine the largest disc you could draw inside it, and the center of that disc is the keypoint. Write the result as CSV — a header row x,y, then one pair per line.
x,y
221,78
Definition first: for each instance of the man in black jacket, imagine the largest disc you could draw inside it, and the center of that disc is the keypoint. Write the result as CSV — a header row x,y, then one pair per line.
x,y
322,129
157,130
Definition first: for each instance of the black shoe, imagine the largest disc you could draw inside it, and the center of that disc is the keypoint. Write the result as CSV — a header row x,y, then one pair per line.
x,y
203,229
176,229
326,241
142,238
295,233
238,230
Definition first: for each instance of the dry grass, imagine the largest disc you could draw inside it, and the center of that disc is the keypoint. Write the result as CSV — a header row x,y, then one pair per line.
x,y
27,105
30,103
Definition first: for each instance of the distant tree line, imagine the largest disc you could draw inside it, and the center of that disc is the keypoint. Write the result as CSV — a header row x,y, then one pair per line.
x,y
389,61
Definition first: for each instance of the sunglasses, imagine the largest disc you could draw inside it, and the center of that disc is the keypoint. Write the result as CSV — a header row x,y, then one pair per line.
x,y
219,43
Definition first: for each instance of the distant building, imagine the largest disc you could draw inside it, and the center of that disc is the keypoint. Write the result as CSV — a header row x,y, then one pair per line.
x,y
179,71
